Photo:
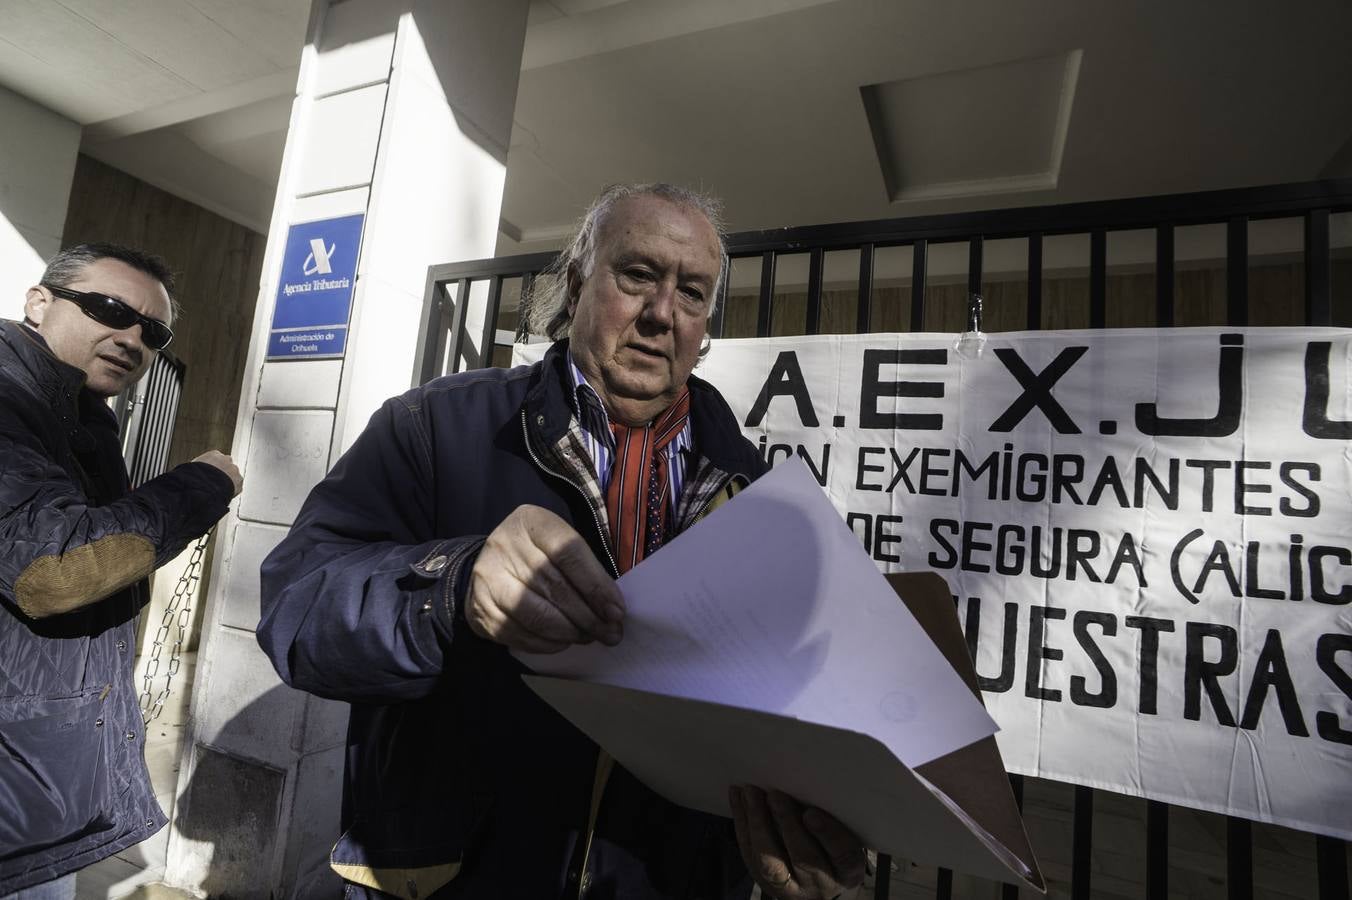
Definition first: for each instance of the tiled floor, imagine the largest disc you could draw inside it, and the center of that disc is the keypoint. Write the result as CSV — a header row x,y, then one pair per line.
x,y
134,872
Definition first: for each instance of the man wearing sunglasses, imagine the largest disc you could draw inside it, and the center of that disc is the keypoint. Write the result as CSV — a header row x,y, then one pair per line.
x,y
76,547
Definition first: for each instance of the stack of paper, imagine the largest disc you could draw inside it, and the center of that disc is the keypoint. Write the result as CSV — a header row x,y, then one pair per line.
x,y
763,647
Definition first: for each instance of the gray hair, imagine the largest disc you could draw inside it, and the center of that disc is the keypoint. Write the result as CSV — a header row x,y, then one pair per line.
x,y
68,264
547,307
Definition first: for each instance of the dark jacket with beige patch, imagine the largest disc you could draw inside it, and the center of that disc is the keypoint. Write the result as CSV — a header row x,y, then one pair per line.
x,y
75,550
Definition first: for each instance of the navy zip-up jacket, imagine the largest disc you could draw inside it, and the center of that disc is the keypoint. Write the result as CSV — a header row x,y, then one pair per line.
x,y
460,782
75,550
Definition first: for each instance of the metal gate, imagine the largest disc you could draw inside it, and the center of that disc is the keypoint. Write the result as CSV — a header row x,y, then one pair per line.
x,y
457,291
147,411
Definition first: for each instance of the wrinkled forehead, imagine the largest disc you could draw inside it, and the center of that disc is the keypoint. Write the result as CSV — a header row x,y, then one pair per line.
x,y
653,221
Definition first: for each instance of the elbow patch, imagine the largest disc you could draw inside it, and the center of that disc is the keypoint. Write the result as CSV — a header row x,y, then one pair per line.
x,y
67,581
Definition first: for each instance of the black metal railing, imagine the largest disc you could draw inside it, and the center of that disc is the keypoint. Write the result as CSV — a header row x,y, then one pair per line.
x,y
443,349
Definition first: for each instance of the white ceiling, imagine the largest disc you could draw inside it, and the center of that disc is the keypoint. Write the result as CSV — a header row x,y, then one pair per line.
x,y
758,101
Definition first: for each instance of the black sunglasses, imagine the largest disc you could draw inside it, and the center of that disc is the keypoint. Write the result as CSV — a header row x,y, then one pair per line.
x,y
114,313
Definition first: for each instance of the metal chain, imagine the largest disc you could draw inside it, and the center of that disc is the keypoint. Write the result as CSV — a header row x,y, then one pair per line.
x,y
180,604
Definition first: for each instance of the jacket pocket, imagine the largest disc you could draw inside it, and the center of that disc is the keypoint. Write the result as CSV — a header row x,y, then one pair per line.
x,y
53,781
405,853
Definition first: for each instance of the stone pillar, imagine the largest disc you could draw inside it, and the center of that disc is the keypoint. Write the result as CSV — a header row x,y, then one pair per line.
x,y
403,113
37,165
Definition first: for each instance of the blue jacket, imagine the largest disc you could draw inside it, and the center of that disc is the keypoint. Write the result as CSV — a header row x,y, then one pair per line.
x,y
460,782
75,550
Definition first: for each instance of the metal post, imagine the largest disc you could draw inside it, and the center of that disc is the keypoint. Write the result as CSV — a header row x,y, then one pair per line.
x,y
974,265
1156,850
767,289
1034,315
1318,297
1082,843
814,291
1098,279
1237,270
864,308
919,251
490,334
882,878
1238,858
458,325
1011,891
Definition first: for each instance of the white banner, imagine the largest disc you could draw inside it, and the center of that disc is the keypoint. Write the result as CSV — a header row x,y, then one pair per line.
x,y
1147,533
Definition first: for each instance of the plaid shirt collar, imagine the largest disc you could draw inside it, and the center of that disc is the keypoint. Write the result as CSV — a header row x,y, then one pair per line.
x,y
587,406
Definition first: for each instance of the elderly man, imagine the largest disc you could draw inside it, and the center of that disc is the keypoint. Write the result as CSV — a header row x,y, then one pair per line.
x,y
492,510
75,549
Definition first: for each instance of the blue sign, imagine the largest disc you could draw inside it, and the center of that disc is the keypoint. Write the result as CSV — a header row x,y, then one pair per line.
x,y
314,290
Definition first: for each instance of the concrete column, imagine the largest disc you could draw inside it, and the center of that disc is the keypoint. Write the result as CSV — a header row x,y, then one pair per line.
x,y
37,165
403,113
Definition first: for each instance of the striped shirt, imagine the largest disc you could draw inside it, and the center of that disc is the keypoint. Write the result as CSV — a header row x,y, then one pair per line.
x,y
600,442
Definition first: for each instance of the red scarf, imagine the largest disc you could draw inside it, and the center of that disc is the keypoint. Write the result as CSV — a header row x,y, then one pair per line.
x,y
636,499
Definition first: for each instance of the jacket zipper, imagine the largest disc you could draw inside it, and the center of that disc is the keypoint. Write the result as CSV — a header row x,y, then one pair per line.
x,y
597,789
596,520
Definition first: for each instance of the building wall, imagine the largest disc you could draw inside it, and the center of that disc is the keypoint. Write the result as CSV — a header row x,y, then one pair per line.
x,y
37,161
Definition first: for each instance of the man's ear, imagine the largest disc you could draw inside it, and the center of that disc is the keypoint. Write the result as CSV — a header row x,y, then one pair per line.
x,y
35,305
574,287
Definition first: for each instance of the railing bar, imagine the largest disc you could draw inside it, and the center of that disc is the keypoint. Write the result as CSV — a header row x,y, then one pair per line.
x,y
148,429
1011,891
1318,296
767,288
864,307
920,249
432,335
715,327
522,323
943,885
1156,850
974,264
882,877
1098,279
440,339
814,291
1164,276
170,393
490,334
458,325
1237,270
1034,315
1082,843
155,421
163,409
1331,857
1238,857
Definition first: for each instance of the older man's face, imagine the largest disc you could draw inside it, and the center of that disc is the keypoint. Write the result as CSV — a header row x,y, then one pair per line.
x,y
640,316
111,359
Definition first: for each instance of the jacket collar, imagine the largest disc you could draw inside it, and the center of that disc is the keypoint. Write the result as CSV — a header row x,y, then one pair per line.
x,y
717,438
51,379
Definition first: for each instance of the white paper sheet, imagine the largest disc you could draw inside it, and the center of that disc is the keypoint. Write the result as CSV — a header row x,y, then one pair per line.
x,y
771,604
690,752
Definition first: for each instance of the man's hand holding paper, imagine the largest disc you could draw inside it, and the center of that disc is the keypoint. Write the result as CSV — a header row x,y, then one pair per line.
x,y
792,851
763,647
537,587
